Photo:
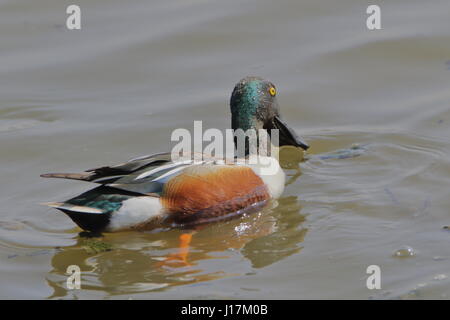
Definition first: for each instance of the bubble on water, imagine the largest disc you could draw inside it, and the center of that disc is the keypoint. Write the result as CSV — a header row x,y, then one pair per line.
x,y
241,228
405,252
421,285
440,277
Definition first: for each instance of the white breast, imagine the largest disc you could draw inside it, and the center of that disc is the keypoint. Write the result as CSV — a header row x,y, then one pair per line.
x,y
268,168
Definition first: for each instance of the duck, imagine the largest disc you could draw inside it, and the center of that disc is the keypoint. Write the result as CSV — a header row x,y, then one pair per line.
x,y
158,191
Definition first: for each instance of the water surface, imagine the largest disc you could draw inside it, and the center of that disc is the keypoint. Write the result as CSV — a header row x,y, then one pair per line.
x,y
73,100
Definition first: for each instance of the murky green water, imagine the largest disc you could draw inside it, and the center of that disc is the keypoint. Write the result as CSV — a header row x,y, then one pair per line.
x,y
72,100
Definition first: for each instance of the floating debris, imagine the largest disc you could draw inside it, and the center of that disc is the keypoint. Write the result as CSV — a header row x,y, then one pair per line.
x,y
416,293
439,258
93,246
355,150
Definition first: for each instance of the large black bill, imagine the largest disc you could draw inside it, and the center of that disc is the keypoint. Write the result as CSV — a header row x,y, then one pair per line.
x,y
288,137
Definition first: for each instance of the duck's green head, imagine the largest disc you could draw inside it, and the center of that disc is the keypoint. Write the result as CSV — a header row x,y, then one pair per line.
x,y
254,106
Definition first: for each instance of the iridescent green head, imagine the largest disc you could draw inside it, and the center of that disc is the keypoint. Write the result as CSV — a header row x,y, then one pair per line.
x,y
254,106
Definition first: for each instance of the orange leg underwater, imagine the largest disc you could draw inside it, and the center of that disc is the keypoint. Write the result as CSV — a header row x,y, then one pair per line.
x,y
180,258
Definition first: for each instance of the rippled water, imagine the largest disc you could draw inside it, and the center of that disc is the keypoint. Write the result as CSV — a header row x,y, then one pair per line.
x,y
72,100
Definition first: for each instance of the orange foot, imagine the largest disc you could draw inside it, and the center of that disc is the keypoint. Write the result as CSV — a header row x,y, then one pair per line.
x,y
179,259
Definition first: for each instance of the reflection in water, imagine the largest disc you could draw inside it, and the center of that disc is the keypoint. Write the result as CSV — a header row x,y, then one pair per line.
x,y
152,261
283,242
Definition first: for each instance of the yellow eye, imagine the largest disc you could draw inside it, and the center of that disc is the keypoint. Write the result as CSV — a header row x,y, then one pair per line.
x,y
272,91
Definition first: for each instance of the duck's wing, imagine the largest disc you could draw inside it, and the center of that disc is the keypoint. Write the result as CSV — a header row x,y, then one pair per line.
x,y
109,174
152,178
143,175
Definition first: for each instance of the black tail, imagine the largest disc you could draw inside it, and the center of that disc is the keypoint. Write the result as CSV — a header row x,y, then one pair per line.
x,y
94,222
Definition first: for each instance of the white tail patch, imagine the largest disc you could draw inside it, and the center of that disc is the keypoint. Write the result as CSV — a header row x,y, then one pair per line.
x,y
135,211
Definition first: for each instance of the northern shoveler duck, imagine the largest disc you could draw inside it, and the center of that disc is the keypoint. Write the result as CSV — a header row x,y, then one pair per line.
x,y
156,191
